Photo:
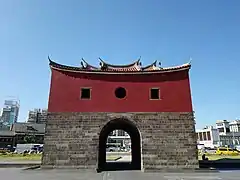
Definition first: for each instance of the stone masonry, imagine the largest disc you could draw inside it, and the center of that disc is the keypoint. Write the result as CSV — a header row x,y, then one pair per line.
x,y
168,139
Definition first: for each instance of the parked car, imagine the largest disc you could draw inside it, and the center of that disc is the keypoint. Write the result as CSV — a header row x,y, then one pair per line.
x,y
111,149
226,151
123,149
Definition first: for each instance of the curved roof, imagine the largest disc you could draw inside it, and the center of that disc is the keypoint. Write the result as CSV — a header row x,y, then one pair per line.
x,y
152,67
105,68
137,62
87,66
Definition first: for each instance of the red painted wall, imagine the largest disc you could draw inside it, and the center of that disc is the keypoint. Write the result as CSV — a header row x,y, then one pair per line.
x,y
66,88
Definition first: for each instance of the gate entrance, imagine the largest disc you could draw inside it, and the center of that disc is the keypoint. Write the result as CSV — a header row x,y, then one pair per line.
x,y
133,132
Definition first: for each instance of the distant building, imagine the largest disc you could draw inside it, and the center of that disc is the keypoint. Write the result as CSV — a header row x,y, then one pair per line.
x,y
120,136
17,133
38,116
234,126
118,132
226,133
209,137
223,127
7,138
9,113
3,126
231,138
28,129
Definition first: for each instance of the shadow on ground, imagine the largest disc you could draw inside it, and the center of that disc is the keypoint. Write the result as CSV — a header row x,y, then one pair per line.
x,y
224,163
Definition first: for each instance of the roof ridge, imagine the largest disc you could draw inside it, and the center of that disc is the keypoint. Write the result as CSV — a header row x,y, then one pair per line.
x,y
134,68
119,65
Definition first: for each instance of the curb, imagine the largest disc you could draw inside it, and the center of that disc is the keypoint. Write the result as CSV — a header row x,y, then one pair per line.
x,y
117,158
182,170
32,167
18,165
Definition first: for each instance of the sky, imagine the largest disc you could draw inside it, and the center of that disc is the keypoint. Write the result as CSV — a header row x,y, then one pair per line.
x,y
170,31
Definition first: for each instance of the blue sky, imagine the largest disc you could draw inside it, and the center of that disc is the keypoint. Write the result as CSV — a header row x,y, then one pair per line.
x,y
170,31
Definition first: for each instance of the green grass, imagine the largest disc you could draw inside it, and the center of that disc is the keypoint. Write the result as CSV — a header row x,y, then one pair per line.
x,y
20,157
35,157
112,158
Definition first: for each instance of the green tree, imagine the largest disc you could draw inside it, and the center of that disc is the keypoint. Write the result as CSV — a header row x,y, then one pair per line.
x,y
30,139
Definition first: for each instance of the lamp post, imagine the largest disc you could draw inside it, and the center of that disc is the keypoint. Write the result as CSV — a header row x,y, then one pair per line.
x,y
233,138
37,116
233,132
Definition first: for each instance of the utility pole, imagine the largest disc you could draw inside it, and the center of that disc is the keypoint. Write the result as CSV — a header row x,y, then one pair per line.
x,y
37,116
233,138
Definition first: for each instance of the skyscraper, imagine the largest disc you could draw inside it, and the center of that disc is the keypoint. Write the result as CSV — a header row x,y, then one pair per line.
x,y
38,116
9,112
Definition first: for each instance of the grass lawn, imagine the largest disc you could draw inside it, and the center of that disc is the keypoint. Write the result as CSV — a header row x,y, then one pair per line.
x,y
20,157
36,157
112,158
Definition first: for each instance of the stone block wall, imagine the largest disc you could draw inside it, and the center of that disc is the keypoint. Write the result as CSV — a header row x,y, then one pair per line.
x,y
168,139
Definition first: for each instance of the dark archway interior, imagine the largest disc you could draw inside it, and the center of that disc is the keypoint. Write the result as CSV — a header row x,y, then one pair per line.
x,y
133,132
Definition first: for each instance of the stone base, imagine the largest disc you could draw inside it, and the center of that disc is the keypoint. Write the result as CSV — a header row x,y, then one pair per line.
x,y
168,139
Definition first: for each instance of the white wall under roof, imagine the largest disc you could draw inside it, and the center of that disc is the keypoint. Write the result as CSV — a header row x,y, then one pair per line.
x,y
214,134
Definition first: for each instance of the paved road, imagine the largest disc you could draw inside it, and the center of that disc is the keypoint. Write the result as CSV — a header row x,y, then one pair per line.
x,y
13,174
19,164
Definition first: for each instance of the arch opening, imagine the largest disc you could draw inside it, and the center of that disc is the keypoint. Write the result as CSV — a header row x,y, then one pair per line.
x,y
133,163
118,147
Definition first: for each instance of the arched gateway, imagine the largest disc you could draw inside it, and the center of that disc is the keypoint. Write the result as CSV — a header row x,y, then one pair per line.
x,y
132,130
152,103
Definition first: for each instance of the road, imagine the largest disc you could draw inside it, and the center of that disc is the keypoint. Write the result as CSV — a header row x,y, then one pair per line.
x,y
13,174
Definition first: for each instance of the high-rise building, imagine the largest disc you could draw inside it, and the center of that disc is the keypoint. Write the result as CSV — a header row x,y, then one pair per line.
x,y
9,112
38,116
223,126
234,126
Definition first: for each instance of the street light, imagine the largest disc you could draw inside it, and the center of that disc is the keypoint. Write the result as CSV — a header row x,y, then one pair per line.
x,y
233,138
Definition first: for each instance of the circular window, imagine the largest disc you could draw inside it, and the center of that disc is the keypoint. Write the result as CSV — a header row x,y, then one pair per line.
x,y
120,92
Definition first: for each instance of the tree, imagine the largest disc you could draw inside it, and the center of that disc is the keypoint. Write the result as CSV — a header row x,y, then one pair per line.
x,y
30,139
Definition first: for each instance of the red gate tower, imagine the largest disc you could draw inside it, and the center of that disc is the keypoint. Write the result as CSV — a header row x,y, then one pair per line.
x,y
152,103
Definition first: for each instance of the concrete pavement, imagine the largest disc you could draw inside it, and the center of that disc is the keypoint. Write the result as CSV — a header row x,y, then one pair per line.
x,y
18,164
13,174
23,161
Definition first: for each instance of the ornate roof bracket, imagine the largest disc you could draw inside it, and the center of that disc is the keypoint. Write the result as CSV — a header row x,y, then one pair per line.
x,y
102,63
83,63
152,66
138,62
190,61
86,65
50,61
154,63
